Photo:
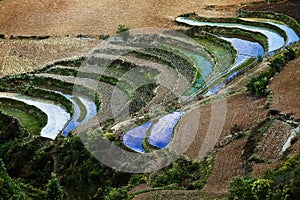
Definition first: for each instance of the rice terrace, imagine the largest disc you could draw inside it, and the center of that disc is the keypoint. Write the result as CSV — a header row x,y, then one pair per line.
x,y
149,99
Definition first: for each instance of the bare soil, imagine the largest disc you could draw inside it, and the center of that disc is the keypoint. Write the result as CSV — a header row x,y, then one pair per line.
x,y
286,90
295,148
270,146
242,111
178,194
139,188
64,17
20,56
94,17
290,8
228,164
260,168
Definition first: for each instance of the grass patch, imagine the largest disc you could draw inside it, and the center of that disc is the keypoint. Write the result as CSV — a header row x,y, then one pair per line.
x,y
224,56
32,119
29,122
83,111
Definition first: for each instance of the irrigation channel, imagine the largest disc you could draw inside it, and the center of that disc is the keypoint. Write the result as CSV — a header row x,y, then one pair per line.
x,y
208,71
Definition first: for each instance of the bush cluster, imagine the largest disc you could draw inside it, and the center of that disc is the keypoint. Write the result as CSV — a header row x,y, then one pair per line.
x,y
258,85
283,183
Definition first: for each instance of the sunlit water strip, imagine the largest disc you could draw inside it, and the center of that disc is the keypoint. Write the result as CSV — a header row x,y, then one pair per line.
x,y
57,117
291,34
275,40
162,131
91,110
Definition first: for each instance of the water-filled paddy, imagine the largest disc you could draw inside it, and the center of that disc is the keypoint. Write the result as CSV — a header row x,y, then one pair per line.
x,y
160,135
133,139
204,67
212,65
91,111
275,40
291,34
246,49
57,117
162,131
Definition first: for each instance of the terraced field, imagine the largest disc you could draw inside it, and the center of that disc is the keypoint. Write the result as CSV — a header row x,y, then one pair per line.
x,y
136,88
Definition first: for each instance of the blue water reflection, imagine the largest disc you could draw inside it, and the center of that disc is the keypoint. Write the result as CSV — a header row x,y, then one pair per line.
x,y
162,131
133,139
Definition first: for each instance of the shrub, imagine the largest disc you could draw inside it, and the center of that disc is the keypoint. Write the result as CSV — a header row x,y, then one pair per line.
x,y
258,85
278,63
122,28
117,193
261,188
283,183
110,136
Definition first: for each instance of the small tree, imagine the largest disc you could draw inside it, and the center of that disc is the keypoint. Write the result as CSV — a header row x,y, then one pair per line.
x,y
53,189
258,85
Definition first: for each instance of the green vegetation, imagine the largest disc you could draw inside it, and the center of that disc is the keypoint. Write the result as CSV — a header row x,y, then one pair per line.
x,y
243,67
71,63
170,58
26,84
32,167
244,22
124,86
270,15
141,97
28,121
282,183
82,108
183,174
9,189
51,95
221,50
152,57
122,28
258,85
53,189
237,33
10,128
31,118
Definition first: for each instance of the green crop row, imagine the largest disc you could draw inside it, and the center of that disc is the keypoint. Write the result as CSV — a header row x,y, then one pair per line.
x,y
238,33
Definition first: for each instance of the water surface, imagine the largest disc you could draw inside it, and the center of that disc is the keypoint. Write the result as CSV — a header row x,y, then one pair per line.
x,y
162,131
57,117
291,34
275,40
133,139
